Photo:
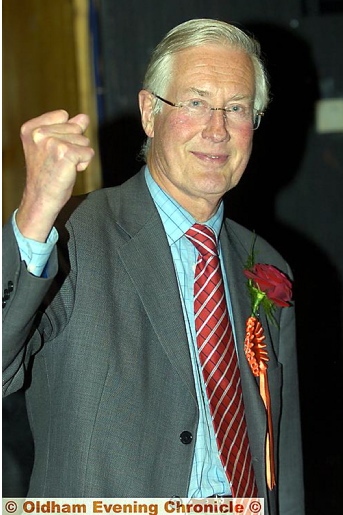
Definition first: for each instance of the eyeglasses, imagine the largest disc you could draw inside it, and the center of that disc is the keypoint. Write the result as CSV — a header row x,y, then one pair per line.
x,y
238,115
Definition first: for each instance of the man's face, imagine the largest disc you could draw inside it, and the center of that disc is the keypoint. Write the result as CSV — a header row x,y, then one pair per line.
x,y
197,161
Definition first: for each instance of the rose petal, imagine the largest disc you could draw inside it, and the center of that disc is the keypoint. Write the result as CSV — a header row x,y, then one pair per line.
x,y
274,283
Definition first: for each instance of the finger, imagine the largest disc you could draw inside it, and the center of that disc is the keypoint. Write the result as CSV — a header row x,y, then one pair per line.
x,y
72,138
75,139
81,167
54,122
54,117
75,154
61,131
82,120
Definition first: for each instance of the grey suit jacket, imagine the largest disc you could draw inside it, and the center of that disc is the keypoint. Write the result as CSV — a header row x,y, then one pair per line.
x,y
102,351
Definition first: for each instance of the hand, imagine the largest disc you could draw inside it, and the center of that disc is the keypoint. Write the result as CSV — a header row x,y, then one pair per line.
x,y
55,150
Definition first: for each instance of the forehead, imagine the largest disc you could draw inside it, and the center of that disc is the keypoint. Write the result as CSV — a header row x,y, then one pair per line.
x,y
213,69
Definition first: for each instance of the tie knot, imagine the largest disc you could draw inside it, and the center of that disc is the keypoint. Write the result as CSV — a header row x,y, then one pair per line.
x,y
203,238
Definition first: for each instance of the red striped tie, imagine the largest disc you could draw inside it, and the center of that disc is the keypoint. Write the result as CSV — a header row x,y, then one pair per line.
x,y
219,364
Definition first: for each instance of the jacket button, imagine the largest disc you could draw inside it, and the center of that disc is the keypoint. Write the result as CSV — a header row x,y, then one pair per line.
x,y
186,437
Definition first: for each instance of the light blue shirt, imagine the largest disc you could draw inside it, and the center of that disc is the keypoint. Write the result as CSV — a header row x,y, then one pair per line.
x,y
35,254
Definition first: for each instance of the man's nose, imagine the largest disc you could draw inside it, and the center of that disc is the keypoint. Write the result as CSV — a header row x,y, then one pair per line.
x,y
216,127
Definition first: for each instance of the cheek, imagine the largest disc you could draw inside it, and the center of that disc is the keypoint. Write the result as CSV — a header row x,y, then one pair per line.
x,y
180,128
246,136
243,148
171,139
244,144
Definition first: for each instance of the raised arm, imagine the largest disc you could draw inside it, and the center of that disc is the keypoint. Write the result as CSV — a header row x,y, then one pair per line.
x,y
55,151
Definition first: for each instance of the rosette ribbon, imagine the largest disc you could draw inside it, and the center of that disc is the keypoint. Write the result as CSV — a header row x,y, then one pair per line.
x,y
257,356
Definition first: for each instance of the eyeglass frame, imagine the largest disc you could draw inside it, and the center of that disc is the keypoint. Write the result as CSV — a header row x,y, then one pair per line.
x,y
258,114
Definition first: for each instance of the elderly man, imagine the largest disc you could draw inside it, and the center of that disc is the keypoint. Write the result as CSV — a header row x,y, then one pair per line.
x,y
127,312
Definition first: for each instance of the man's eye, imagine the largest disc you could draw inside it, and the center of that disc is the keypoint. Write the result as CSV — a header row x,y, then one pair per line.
x,y
236,108
239,109
195,103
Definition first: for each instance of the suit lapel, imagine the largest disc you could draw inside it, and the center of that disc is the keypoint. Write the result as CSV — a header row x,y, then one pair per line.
x,y
148,261
234,259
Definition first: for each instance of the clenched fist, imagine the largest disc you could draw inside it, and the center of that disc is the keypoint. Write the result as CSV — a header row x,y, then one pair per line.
x,y
55,150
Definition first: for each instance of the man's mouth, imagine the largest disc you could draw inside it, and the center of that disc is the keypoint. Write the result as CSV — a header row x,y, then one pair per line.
x,y
215,158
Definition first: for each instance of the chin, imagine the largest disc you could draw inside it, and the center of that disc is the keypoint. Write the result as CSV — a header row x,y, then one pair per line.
x,y
215,186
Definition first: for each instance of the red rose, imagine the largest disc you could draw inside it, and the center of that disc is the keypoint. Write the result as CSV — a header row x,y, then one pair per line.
x,y
274,283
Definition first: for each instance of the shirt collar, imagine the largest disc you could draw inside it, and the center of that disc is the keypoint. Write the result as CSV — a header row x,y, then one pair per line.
x,y
175,218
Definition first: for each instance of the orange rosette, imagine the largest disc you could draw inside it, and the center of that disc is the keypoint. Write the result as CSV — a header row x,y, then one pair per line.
x,y
257,356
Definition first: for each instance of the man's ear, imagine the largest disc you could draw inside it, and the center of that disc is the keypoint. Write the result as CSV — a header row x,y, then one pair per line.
x,y
146,104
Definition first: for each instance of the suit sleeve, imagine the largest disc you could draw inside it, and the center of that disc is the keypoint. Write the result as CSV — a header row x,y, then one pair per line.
x,y
22,296
291,488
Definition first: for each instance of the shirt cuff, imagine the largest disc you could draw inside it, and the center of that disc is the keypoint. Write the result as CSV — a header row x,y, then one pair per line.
x,y
34,253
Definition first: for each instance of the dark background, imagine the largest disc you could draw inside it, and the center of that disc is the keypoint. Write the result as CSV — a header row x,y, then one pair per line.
x,y
291,192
